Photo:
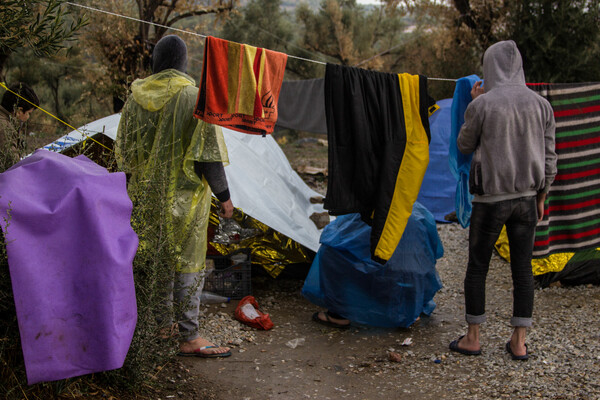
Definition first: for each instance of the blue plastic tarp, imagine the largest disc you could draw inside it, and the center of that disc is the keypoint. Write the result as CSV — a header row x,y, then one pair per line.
x,y
460,164
345,280
439,186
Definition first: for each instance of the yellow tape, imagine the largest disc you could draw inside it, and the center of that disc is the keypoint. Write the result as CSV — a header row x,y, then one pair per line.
x,y
2,84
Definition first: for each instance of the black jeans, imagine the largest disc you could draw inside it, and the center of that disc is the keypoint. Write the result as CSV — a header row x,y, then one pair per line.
x,y
520,217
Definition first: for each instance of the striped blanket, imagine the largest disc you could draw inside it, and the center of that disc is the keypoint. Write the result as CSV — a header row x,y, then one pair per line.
x,y
572,216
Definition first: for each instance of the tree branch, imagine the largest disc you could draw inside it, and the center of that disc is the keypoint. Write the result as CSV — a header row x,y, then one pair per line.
x,y
464,8
211,10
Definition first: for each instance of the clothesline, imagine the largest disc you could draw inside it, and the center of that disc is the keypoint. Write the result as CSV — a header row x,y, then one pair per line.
x,y
204,36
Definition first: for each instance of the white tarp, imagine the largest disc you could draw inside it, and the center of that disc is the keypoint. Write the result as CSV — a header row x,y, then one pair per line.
x,y
261,181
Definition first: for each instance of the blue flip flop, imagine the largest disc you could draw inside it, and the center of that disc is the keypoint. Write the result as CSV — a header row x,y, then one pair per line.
x,y
454,347
524,357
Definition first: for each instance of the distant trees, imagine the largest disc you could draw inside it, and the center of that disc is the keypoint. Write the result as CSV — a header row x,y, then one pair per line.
x,y
125,47
559,40
349,33
265,23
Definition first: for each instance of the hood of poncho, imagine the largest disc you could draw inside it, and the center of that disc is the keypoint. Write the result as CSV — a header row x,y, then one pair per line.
x,y
153,92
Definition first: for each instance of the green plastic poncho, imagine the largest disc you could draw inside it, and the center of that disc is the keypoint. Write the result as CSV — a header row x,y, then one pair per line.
x,y
158,141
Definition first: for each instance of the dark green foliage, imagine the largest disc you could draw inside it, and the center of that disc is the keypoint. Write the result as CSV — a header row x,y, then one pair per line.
x,y
350,34
61,81
260,23
10,348
42,25
558,39
153,272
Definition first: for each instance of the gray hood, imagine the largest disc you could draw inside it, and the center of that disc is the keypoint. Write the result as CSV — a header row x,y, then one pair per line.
x,y
503,66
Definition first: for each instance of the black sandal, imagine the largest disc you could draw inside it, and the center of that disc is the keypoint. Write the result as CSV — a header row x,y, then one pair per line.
x,y
329,322
454,347
524,357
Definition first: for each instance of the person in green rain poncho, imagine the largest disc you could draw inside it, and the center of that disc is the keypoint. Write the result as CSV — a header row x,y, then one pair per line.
x,y
159,140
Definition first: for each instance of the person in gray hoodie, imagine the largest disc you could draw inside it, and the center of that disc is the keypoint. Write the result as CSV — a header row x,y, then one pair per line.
x,y
510,131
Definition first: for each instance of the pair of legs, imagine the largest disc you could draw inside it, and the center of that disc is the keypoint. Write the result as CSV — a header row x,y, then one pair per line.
x,y
487,219
186,294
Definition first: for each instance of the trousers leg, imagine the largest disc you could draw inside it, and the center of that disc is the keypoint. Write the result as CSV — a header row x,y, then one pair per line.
x,y
487,220
520,229
188,287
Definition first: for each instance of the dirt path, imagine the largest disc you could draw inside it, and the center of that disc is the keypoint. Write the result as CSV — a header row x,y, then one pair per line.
x,y
354,364
330,363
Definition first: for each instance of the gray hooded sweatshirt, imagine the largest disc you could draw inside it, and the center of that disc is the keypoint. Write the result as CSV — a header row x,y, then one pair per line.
x,y
510,130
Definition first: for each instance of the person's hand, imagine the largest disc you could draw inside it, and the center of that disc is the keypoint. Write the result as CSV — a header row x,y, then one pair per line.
x,y
477,90
226,210
541,198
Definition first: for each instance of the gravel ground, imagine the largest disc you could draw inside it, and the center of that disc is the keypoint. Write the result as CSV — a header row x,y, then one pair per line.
x,y
564,344
564,341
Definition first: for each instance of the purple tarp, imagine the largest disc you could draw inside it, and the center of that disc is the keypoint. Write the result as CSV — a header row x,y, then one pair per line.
x,y
70,252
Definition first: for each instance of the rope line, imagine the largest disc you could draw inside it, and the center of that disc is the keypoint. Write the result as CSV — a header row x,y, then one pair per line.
x,y
134,19
442,79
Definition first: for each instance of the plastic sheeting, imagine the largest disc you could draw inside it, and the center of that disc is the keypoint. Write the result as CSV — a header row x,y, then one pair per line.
x,y
107,126
261,180
70,251
345,280
158,143
582,269
570,269
460,164
263,185
439,186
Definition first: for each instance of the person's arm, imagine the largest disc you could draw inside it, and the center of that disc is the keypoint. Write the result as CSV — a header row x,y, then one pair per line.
x,y
214,172
550,164
550,153
541,198
477,90
470,132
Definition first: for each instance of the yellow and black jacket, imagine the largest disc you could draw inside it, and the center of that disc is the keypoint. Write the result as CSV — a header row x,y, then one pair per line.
x,y
378,133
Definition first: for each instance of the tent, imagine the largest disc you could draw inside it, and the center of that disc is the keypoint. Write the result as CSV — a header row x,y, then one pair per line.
x,y
261,181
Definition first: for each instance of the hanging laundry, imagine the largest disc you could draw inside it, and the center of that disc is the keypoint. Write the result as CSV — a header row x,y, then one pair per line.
x,y
240,86
378,133
301,106
460,163
572,220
